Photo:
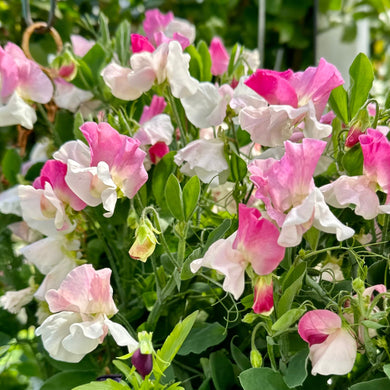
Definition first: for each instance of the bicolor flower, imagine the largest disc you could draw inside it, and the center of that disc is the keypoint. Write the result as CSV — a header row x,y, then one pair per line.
x,y
205,159
287,188
112,166
83,305
332,347
254,244
44,204
145,241
360,191
293,98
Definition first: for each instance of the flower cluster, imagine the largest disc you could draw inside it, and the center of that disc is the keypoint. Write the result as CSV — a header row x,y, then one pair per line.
x,y
203,167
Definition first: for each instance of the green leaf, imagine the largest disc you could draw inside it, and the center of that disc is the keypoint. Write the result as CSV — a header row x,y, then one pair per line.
x,y
84,77
67,380
196,65
174,198
240,358
95,59
186,272
63,127
217,233
372,324
287,319
201,337
122,42
11,164
375,384
204,53
238,167
104,29
312,237
386,369
161,172
191,195
232,65
222,372
124,368
108,384
362,76
296,371
289,292
352,161
269,379
174,342
338,102
77,123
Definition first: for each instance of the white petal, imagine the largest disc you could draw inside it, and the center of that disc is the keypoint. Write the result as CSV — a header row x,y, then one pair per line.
x,y
121,335
17,112
9,201
336,355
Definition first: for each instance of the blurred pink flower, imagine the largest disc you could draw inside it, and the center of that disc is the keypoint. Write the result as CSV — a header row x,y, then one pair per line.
x,y
219,57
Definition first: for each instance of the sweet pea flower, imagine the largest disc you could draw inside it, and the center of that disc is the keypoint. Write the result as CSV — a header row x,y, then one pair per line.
x,y
219,57
44,204
82,305
167,62
205,159
293,98
287,188
207,106
361,190
161,28
112,166
54,257
80,45
254,244
13,301
332,348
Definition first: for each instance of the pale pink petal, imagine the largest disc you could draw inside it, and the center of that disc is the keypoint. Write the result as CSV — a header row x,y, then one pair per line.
x,y
356,190
379,288
81,46
229,262
257,240
33,84
219,57
9,201
335,356
68,96
156,21
181,30
313,127
8,74
244,96
140,43
157,129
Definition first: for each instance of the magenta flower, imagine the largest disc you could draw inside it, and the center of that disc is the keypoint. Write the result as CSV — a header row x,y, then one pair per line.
x,y
287,188
219,57
82,305
294,99
332,348
361,190
263,302
255,244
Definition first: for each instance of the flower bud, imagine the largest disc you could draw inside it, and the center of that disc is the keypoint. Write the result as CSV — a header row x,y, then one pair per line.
x,y
263,298
142,362
145,241
256,358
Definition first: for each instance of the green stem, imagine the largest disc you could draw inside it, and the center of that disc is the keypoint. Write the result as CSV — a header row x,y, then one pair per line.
x,y
172,102
385,234
44,114
181,248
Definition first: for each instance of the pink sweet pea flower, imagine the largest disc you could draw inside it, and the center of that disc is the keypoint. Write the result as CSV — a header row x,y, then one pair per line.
x,y
80,45
83,305
160,28
293,98
112,165
44,205
332,348
219,57
263,295
255,244
361,190
287,188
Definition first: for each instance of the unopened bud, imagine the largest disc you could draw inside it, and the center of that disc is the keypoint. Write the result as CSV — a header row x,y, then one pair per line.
x,y
142,362
256,358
